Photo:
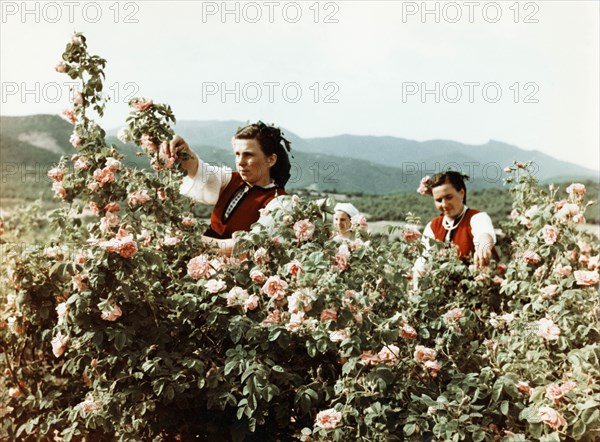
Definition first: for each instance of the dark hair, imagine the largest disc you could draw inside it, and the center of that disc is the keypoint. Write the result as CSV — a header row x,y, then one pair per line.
x,y
457,180
271,141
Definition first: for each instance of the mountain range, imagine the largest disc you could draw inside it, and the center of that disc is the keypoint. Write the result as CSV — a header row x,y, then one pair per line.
x,y
343,163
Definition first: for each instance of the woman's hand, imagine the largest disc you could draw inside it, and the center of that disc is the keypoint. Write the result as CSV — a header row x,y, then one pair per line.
x,y
178,148
483,251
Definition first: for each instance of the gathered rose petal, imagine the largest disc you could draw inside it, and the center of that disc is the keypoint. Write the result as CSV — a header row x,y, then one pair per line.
x,y
561,270
328,419
339,335
141,197
261,256
369,358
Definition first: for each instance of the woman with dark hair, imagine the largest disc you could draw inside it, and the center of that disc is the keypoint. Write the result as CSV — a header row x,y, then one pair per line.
x,y
263,169
470,230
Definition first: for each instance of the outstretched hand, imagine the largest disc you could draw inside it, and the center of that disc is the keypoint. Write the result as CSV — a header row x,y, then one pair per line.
x,y
483,251
178,149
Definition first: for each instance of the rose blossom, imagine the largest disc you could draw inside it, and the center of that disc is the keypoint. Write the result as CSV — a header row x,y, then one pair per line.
x,y
433,367
561,270
424,186
78,99
369,358
188,221
147,141
554,393
549,291
14,392
328,419
171,240
454,314
576,190
360,221
411,234
113,164
549,233
272,318
257,276
584,247
70,114
567,212
59,190
236,295
135,198
295,322
294,267
79,282
127,245
114,314
342,256
251,303
423,353
304,230
338,335
141,105
329,314
551,417
524,388
81,164
388,354
300,299
199,267
548,329
61,310
56,174
215,285
104,176
408,332
61,68
586,278
275,287
109,221
261,255
531,257
594,262
90,406
567,387
59,342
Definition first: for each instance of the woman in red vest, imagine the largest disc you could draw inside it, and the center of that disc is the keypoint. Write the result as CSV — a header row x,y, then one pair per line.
x,y
471,231
263,169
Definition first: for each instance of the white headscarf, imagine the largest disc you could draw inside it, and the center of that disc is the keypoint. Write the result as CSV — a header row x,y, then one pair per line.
x,y
348,208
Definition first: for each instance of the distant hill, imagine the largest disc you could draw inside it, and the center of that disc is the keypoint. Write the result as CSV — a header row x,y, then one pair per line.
x,y
341,164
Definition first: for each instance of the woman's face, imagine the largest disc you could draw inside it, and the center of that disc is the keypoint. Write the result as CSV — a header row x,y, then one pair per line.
x,y
448,200
341,221
251,162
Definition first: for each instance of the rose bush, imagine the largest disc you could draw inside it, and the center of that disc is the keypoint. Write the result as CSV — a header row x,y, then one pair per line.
x,y
120,325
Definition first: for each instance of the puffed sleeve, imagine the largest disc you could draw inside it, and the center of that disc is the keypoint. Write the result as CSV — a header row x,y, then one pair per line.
x,y
207,184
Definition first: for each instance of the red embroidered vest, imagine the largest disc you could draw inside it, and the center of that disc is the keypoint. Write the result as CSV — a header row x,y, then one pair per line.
x,y
463,237
245,213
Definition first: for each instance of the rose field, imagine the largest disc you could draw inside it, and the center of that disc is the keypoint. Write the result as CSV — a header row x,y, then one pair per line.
x,y
118,323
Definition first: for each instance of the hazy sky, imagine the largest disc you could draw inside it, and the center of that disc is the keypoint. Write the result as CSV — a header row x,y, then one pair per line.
x,y
525,73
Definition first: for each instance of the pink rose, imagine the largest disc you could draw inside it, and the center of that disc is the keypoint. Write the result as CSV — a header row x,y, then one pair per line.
x,y
78,99
576,190
524,388
424,353
548,330
59,190
551,417
549,233
300,301
215,285
554,393
14,392
594,262
328,419
275,287
251,303
135,198
104,176
113,314
90,406
79,282
257,276
294,267
61,68
236,295
514,214
161,194
56,174
567,387
329,314
584,247
188,221
586,278
61,310
567,212
81,164
141,105
261,256
113,164
561,270
148,142
59,343
70,115
127,247
199,267
368,358
109,221
454,315
549,291
295,322
433,367
274,317
389,354
531,257
408,332
342,256
360,221
424,188
338,335
170,241
304,230
411,235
